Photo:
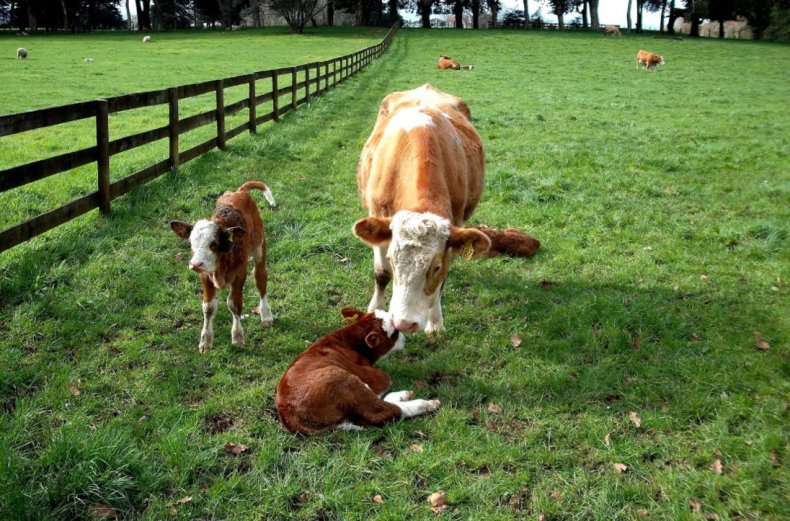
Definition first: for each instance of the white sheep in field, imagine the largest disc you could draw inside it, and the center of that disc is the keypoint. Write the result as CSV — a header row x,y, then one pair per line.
x,y
21,53
146,39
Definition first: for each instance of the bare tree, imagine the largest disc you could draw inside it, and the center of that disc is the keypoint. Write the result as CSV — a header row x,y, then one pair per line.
x,y
297,13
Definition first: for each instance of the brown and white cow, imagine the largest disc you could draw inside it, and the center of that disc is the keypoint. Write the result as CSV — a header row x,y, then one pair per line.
x,y
445,63
648,60
221,248
420,177
612,29
333,384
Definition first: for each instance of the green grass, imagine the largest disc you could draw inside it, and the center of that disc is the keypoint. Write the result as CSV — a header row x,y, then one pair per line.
x,y
637,183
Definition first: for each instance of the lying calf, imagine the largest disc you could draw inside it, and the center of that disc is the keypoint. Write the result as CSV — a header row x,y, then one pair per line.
x,y
333,384
221,248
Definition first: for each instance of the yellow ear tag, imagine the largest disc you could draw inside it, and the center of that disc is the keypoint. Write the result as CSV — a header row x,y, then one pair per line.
x,y
467,251
350,320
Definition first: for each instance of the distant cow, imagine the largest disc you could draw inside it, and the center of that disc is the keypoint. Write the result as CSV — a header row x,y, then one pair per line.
x,y
146,39
21,53
648,60
420,177
613,30
333,384
221,248
445,62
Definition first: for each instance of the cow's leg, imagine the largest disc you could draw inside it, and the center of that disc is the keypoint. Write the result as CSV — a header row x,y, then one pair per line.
x,y
209,312
261,280
409,407
235,305
435,322
383,274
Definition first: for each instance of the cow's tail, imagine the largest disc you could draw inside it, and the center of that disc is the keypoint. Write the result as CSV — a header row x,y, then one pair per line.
x,y
510,241
257,185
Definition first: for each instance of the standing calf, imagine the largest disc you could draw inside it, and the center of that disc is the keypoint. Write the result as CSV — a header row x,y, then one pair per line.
x,y
221,248
648,60
333,384
21,53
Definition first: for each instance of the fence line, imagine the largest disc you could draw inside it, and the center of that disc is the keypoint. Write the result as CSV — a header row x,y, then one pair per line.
x,y
342,68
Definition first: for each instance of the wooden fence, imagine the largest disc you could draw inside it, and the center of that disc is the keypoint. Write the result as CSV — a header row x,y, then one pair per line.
x,y
318,77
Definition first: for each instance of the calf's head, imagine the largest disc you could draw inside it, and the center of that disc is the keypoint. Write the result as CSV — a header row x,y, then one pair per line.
x,y
208,240
378,331
420,247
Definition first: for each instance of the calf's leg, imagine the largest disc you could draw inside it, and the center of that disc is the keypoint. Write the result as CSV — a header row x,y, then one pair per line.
x,y
235,305
261,281
209,312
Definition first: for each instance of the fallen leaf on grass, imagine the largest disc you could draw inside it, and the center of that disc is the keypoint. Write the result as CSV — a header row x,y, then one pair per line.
x,y
716,452
103,511
717,467
695,505
620,468
179,256
606,440
74,391
236,448
775,461
494,408
255,311
416,448
703,277
547,283
378,499
541,517
695,338
635,419
182,501
419,384
636,344
555,494
642,512
647,249
515,340
748,442
438,503
760,343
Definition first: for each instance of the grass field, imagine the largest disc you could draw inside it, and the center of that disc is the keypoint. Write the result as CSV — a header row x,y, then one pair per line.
x,y
662,200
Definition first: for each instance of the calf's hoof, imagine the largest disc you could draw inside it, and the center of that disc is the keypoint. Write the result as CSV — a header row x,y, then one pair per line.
x,y
399,396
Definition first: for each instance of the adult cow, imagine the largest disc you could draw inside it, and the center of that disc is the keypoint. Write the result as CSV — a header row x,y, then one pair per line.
x,y
420,177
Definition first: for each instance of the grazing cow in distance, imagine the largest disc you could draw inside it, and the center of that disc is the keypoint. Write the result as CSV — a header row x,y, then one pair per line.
x,y
420,177
146,39
612,29
21,53
445,62
333,384
648,60
221,247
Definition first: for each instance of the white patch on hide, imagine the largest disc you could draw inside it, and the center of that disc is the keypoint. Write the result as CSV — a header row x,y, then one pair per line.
x,y
408,119
386,321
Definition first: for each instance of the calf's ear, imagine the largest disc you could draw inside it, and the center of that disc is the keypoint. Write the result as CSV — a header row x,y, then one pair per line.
x,y
468,242
351,314
182,229
228,235
373,231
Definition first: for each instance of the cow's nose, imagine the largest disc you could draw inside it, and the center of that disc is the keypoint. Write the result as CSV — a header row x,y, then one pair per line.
x,y
407,326
196,266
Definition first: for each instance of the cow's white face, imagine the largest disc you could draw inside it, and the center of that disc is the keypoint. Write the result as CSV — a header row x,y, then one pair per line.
x,y
417,256
203,240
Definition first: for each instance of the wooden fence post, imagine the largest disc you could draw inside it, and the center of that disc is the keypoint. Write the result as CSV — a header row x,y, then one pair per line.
x,y
172,126
220,89
307,83
103,153
253,106
326,75
275,97
293,88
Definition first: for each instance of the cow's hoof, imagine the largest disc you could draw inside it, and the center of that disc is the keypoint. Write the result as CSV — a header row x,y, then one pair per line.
x,y
434,329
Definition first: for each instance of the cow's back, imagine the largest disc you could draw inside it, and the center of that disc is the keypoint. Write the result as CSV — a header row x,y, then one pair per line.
x,y
423,155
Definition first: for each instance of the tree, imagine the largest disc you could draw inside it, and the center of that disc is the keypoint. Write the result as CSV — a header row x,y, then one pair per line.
x,y
493,6
560,8
297,13
594,21
143,14
628,15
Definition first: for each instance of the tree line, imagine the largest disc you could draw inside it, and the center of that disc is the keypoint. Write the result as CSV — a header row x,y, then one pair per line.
x,y
769,18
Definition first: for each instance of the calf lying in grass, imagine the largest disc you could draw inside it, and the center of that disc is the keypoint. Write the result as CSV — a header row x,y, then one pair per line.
x,y
221,248
333,384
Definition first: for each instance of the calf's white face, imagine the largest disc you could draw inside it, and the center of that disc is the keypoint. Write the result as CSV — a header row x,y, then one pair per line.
x,y
205,235
388,325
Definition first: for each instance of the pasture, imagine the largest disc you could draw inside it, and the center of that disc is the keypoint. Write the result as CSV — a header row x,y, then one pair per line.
x,y
662,200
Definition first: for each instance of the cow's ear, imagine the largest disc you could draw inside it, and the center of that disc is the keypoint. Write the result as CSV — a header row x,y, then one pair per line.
x,y
228,235
468,242
373,340
182,229
374,231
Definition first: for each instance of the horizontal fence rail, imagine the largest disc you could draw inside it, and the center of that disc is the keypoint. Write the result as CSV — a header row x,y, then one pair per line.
x,y
318,78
